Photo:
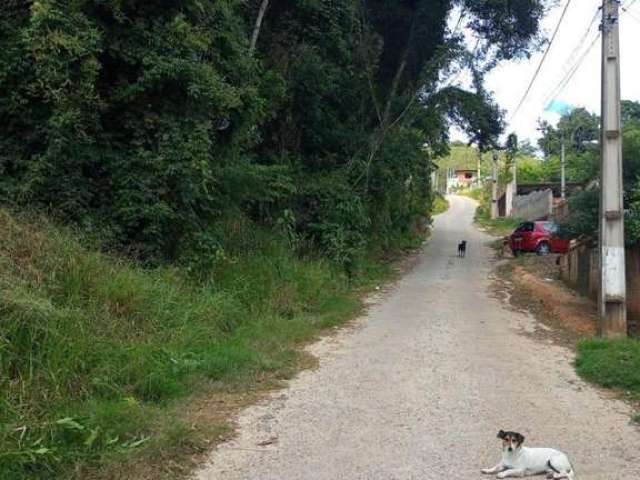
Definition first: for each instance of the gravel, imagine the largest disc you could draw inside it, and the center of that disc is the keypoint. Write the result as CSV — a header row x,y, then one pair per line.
x,y
420,387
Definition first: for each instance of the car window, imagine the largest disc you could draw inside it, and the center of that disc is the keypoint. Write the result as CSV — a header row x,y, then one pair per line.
x,y
525,227
550,227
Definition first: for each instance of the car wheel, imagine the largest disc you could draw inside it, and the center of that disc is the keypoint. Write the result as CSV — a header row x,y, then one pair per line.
x,y
543,249
515,252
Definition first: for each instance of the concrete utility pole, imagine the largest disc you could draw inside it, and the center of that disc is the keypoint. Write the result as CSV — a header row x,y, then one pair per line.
x,y
494,187
479,160
512,189
612,300
563,182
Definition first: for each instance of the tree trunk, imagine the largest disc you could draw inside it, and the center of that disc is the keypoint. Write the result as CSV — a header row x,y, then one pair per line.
x,y
394,87
256,28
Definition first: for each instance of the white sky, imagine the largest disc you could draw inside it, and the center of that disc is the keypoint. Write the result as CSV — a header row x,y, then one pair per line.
x,y
509,80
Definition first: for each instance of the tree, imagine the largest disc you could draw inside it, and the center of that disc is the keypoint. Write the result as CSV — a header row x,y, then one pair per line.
x,y
151,122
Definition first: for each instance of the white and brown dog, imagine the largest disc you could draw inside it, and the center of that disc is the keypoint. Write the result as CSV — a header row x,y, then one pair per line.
x,y
519,461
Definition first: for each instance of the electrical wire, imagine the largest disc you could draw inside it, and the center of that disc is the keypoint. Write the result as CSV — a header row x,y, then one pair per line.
x,y
573,70
573,60
630,13
570,74
544,56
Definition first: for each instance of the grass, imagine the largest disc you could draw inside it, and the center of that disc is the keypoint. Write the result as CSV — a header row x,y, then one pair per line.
x,y
611,363
100,359
475,193
498,227
440,205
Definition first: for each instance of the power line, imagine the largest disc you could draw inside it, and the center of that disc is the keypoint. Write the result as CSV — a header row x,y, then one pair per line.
x,y
573,60
630,13
544,56
573,70
569,76
580,43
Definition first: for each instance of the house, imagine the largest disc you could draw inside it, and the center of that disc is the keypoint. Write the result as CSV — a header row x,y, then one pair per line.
x,y
461,178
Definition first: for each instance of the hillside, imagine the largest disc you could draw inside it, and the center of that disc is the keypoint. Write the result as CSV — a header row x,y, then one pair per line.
x,y
105,358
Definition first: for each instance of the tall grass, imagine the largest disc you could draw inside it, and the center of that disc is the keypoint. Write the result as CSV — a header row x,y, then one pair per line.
x,y
440,204
94,351
500,226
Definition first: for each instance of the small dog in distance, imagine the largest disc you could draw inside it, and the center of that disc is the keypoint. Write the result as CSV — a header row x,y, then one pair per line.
x,y
519,461
462,248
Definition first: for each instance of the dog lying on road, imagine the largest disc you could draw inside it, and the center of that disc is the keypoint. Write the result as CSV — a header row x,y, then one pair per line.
x,y
519,461
462,248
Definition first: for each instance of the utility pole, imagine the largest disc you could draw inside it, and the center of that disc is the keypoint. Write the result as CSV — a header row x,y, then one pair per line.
x,y
612,299
494,187
479,160
563,183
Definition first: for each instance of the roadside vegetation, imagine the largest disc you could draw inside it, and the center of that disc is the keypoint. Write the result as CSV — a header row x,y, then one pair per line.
x,y
498,227
612,364
96,351
440,205
190,190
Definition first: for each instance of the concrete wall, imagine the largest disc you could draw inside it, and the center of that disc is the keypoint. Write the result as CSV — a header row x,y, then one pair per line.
x,y
534,206
580,270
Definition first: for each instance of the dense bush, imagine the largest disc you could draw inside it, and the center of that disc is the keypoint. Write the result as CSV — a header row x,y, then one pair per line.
x,y
147,122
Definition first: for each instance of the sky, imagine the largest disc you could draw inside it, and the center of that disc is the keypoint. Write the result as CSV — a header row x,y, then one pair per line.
x,y
509,80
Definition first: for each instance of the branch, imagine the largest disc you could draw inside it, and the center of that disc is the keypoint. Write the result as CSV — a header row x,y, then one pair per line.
x,y
368,69
258,25
394,85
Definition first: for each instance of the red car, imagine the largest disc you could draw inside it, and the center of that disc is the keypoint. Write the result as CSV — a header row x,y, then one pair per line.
x,y
541,237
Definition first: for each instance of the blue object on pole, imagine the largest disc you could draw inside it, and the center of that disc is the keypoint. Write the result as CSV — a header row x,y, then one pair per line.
x,y
559,107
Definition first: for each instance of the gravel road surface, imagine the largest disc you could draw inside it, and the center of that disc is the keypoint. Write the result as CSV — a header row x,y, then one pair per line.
x,y
420,386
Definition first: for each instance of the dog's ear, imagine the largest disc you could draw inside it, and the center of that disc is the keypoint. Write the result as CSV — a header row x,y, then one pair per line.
x,y
501,434
519,438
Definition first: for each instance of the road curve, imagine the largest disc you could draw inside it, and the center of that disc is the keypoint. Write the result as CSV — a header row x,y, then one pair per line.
x,y
419,389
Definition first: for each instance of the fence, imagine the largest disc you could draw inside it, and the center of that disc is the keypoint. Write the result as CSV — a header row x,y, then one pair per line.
x,y
534,206
580,269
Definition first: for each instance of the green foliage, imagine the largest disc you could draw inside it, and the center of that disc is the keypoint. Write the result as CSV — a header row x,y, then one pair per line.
x,y
440,205
251,183
583,221
510,29
113,114
498,227
581,129
476,114
145,123
610,363
94,351
632,219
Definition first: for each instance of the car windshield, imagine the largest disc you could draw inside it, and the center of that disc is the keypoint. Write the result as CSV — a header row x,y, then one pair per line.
x,y
550,227
525,227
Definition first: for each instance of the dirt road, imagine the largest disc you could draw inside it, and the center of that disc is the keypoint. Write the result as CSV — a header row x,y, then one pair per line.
x,y
419,389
